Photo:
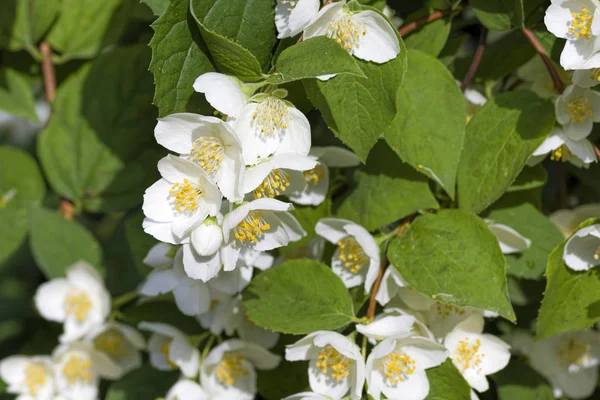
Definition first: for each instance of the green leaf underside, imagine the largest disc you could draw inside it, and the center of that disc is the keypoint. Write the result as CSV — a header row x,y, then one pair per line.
x,y
308,217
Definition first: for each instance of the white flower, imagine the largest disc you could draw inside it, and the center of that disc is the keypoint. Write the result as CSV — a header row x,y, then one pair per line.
x,y
580,153
568,220
208,142
317,179
390,13
388,324
186,389
576,110
80,301
582,250
336,366
229,370
292,16
160,256
30,377
393,285
180,201
442,318
263,224
356,259
586,78
248,331
364,34
510,241
396,367
121,343
265,124
78,367
308,396
169,349
476,354
569,361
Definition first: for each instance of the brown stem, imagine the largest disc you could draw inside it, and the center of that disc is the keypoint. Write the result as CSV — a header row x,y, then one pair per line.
x,y
476,60
414,25
48,71
597,150
556,81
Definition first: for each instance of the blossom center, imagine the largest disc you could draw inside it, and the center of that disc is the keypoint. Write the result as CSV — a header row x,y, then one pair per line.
x,y
271,116
445,310
574,352
164,350
251,228
561,154
398,366
467,355
581,24
314,175
290,3
595,74
352,254
346,32
78,369
580,109
330,362
185,195
112,343
273,185
78,303
230,369
35,377
207,151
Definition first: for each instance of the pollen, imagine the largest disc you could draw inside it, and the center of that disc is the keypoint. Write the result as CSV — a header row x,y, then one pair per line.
x,y
581,25
35,377
580,109
78,369
273,185
78,303
251,228
111,342
597,254
346,32
574,352
561,154
185,195
468,356
207,151
290,3
445,310
398,366
230,369
352,254
595,75
164,350
271,116
331,363
314,176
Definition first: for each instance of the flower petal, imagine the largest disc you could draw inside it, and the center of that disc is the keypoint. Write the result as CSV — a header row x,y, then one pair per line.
x,y
222,92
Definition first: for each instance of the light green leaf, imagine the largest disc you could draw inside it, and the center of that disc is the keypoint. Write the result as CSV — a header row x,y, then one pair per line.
x,y
430,38
500,139
530,178
446,383
519,381
572,299
311,58
500,15
11,239
21,182
429,129
16,96
98,149
158,7
178,58
24,22
453,257
299,297
57,243
145,382
532,224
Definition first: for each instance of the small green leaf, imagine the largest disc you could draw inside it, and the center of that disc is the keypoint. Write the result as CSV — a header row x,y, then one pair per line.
x,y
500,15
572,299
453,257
299,297
24,22
158,7
519,381
311,58
429,129
446,383
430,38
16,96
500,139
144,383
57,243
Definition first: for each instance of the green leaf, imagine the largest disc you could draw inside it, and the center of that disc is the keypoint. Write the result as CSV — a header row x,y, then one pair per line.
x,y
21,182
453,257
500,15
158,7
98,149
161,310
139,241
572,299
530,178
299,297
178,58
430,38
308,217
24,22
446,383
16,96
500,139
358,110
535,226
57,243
519,381
311,58
11,239
145,382
429,129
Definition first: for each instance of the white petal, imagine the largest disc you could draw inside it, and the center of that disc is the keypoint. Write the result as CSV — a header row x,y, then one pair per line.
x,y
186,390
578,130
334,156
332,229
379,43
222,92
297,137
158,256
313,194
161,231
175,132
581,248
557,19
291,161
387,326
583,150
201,267
159,282
510,240
321,383
552,142
12,369
284,229
186,357
583,78
255,145
193,299
320,23
207,239
50,297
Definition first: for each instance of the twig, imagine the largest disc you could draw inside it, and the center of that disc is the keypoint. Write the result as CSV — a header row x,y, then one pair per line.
x,y
414,25
476,60
597,150
556,81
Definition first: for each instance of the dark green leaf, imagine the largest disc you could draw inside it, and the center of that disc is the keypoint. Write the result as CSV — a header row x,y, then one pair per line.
x,y
16,96
161,310
158,7
21,182
529,178
11,239
144,383
430,38
23,22
308,217
500,15
446,383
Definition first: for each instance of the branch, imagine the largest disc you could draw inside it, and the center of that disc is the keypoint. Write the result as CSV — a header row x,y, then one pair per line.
x,y
556,81
476,60
597,150
414,25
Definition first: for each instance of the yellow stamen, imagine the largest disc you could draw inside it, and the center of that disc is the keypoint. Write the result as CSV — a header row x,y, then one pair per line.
x,y
251,228
79,304
330,362
35,377
273,185
580,109
230,369
207,151
352,254
398,366
468,356
561,154
445,310
111,342
290,3
185,195
314,175
78,369
164,349
595,74
597,254
346,32
574,352
271,116
581,25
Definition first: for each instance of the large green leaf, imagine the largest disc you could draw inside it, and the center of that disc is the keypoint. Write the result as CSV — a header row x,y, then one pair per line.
x,y
144,383
446,383
16,96
572,299
453,257
500,139
57,243
24,22
500,15
429,129
519,381
178,58
98,149
429,38
299,297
